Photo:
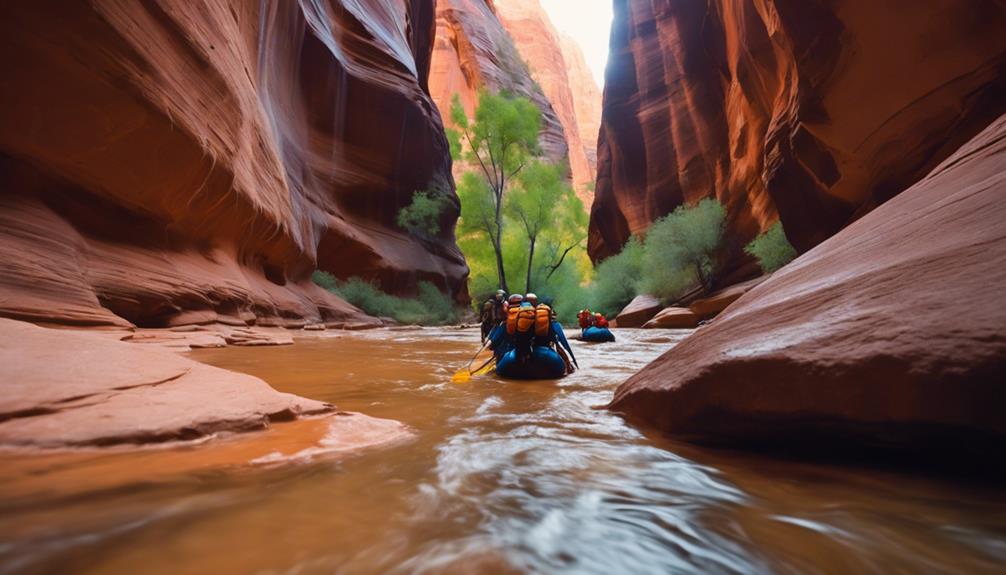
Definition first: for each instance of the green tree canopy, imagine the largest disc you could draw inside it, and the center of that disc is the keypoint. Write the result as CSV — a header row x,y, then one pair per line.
x,y
683,249
498,143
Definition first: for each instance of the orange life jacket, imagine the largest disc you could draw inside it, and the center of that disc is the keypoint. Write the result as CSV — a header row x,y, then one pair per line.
x,y
520,319
542,320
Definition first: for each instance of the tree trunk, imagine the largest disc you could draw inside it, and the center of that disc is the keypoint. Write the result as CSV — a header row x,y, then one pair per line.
x,y
498,244
530,260
703,281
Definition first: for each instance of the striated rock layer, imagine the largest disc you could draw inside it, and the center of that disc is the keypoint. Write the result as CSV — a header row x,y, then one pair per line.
x,y
811,111
64,388
891,331
160,157
558,66
474,51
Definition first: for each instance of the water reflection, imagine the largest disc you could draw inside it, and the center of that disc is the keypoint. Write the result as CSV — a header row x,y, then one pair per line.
x,y
501,477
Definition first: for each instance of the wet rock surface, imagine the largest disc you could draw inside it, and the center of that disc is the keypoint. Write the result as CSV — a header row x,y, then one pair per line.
x,y
66,388
813,112
872,335
640,310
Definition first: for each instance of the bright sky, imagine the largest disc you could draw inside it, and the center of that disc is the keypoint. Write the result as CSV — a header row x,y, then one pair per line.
x,y
588,22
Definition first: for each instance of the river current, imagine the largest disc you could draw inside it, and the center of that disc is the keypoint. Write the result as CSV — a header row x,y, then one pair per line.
x,y
499,477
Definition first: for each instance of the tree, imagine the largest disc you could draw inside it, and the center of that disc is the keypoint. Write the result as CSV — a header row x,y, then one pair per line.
x,y
684,248
498,143
534,205
772,249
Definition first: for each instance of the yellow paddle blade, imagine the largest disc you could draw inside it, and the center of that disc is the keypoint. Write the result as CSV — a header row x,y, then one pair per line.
x,y
462,376
486,368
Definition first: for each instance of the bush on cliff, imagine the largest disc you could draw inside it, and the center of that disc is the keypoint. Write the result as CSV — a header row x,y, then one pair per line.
x,y
429,307
683,250
422,216
772,249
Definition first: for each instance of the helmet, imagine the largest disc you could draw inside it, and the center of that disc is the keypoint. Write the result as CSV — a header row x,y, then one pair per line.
x,y
516,298
531,298
500,295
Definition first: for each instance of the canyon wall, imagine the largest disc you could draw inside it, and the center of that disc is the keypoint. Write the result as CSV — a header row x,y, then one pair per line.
x,y
167,162
809,111
510,45
890,332
558,66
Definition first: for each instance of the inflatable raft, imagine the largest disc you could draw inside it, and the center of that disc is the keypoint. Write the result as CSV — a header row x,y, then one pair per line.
x,y
543,363
597,334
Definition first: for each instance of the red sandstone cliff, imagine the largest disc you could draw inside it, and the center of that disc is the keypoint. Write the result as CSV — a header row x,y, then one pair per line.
x,y
473,51
557,64
163,157
810,111
891,331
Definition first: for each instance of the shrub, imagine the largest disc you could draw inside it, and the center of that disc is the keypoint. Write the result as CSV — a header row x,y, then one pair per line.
x,y
430,307
422,216
616,279
772,249
682,250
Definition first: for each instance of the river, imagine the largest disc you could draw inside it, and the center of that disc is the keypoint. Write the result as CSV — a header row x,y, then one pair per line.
x,y
499,477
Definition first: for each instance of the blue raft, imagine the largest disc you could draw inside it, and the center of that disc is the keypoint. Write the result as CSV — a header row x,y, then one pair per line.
x,y
598,334
543,363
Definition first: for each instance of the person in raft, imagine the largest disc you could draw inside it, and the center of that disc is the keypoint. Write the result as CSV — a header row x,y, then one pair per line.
x,y
589,319
493,313
530,324
593,326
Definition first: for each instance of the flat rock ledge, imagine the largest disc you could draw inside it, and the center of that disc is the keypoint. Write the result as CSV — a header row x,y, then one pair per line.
x,y
67,388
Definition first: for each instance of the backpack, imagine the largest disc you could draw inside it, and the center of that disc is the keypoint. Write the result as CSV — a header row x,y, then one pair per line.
x,y
520,325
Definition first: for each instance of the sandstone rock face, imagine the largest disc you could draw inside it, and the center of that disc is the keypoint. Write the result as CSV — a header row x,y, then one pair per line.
x,y
640,310
673,318
891,330
558,65
68,388
719,300
473,51
164,157
814,112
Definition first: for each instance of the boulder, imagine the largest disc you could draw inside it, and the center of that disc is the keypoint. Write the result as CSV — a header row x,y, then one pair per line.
x,y
718,301
641,309
673,318
893,331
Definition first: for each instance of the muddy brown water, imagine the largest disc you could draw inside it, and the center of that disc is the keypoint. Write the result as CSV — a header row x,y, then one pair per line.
x,y
500,477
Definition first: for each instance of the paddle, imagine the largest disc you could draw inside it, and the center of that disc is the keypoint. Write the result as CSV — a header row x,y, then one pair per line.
x,y
463,375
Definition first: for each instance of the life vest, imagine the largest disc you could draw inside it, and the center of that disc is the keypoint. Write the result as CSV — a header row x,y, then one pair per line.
x,y
600,321
585,318
520,320
542,320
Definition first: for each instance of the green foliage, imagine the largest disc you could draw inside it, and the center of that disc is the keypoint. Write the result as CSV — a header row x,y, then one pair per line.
x,y
325,280
496,145
430,307
616,279
772,249
422,216
534,205
682,250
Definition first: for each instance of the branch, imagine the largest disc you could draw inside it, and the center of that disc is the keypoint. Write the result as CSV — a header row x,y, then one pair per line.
x,y
553,268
